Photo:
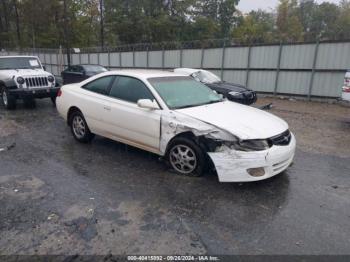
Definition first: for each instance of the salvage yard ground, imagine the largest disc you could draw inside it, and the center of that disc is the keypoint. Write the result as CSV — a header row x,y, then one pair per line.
x,y
61,197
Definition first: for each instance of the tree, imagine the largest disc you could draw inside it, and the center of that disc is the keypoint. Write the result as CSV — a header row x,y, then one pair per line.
x,y
289,27
342,24
256,27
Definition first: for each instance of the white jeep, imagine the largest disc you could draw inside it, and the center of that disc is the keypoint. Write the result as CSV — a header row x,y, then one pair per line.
x,y
24,77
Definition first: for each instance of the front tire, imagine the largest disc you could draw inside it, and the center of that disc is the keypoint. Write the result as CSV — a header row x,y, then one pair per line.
x,y
79,128
9,101
186,157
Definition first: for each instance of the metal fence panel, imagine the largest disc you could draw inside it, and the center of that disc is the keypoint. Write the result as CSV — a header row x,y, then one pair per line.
x,y
257,66
298,56
155,59
140,59
84,58
234,76
262,81
54,70
212,58
115,59
328,84
47,59
127,59
93,59
75,59
172,58
264,56
294,83
192,58
41,57
236,57
334,56
104,59
54,59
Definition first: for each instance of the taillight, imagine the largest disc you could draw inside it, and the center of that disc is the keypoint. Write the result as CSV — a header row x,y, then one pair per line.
x,y
346,89
59,93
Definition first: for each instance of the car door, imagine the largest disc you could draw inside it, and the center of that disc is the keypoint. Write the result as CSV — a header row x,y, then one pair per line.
x,y
126,120
93,101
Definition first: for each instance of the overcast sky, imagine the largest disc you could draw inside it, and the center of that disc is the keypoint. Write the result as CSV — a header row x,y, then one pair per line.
x,y
249,5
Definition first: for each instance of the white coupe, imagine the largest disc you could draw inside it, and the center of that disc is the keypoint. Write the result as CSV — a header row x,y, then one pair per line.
x,y
180,119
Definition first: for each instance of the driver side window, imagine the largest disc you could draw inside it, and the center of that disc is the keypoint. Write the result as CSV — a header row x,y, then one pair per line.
x,y
130,89
100,86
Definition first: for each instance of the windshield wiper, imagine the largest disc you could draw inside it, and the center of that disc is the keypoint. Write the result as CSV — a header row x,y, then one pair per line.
x,y
202,104
183,107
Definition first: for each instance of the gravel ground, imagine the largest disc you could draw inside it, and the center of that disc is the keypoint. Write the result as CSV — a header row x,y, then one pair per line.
x,y
61,197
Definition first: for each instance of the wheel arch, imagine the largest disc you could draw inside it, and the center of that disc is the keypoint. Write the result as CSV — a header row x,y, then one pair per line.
x,y
71,110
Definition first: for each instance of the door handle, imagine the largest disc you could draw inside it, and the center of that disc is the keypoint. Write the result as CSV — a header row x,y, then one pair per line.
x,y
107,108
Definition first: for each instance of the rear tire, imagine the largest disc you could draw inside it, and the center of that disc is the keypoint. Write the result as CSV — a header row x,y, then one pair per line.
x,y
9,101
79,128
186,157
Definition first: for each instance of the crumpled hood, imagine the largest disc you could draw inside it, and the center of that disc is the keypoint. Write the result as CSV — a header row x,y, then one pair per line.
x,y
24,72
242,121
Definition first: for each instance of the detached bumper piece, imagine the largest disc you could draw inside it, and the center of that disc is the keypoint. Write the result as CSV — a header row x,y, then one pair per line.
x,y
239,166
35,92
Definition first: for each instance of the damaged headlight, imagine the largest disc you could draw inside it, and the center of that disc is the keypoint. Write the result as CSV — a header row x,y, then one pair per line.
x,y
251,145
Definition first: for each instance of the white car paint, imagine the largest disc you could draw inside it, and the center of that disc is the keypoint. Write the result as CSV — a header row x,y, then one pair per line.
x,y
186,71
346,88
152,130
240,120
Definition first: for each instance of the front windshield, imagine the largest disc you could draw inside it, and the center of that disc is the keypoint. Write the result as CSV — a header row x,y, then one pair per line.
x,y
182,92
19,63
206,77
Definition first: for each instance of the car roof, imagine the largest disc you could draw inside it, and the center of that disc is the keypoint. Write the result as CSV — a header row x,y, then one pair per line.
x,y
143,73
186,71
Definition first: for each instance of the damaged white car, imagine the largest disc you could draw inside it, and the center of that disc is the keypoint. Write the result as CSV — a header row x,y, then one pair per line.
x,y
180,119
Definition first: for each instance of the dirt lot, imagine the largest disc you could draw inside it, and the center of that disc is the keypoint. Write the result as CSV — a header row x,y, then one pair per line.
x,y
61,197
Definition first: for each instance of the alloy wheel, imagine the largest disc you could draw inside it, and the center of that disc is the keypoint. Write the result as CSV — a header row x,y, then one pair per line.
x,y
4,98
183,159
79,127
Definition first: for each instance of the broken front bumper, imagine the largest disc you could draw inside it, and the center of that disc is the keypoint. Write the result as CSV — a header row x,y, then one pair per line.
x,y
233,166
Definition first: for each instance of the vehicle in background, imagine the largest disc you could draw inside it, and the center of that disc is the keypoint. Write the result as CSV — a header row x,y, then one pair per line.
x,y
180,119
233,92
24,77
78,73
346,88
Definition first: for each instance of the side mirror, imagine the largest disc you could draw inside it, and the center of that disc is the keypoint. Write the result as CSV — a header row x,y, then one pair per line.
x,y
44,67
148,104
